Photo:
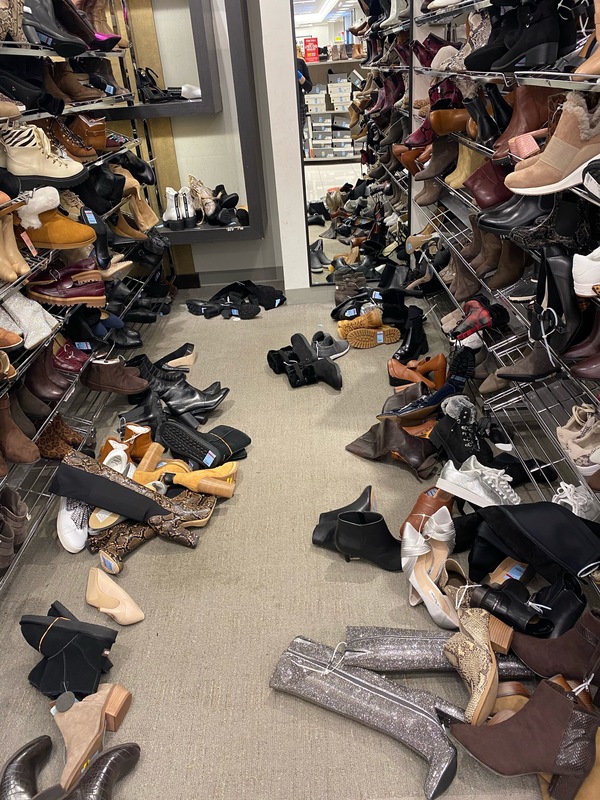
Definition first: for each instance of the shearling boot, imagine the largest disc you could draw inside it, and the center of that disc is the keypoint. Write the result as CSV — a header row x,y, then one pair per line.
x,y
14,445
576,142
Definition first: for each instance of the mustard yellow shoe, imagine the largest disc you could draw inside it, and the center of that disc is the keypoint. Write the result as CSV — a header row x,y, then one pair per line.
x,y
372,319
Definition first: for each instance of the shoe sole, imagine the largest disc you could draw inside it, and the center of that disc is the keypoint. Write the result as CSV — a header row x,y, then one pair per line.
x,y
90,302
63,245
372,319
31,181
586,289
465,494
181,439
365,338
574,178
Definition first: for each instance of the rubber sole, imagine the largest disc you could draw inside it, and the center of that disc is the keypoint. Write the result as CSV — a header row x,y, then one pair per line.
x,y
574,178
90,302
185,441
464,494
31,181
365,338
586,289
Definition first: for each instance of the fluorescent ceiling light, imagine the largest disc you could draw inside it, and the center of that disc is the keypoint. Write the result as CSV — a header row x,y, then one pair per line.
x,y
319,16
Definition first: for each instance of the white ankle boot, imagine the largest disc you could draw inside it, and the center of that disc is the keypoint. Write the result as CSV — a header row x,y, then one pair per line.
x,y
186,207
172,214
29,156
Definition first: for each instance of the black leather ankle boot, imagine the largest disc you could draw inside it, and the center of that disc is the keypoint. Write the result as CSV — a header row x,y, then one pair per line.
x,y
487,129
364,534
502,110
415,342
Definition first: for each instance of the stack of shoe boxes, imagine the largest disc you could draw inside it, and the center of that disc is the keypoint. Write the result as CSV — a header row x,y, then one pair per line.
x,y
342,138
319,123
340,94
320,135
340,91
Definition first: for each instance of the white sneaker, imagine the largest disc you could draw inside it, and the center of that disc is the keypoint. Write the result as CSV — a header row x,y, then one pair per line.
x,y
586,273
72,524
575,424
29,156
577,500
479,485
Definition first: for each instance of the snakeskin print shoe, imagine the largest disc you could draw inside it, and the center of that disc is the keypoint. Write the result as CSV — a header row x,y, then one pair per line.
x,y
119,542
470,651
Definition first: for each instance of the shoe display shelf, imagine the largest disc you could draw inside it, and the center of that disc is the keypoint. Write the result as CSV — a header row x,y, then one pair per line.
x,y
81,409
451,11
36,263
28,49
545,78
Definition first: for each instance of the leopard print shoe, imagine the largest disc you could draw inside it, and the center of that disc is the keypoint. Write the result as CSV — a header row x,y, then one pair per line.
x,y
65,432
51,445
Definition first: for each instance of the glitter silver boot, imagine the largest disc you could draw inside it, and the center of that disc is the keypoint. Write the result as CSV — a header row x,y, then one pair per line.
x,y
406,651
316,673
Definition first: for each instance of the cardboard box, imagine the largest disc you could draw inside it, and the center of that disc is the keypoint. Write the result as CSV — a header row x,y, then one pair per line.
x,y
341,107
336,77
343,135
323,152
356,79
341,122
321,129
343,87
318,88
321,136
321,119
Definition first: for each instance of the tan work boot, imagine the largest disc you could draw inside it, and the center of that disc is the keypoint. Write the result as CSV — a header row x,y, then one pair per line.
x,y
83,725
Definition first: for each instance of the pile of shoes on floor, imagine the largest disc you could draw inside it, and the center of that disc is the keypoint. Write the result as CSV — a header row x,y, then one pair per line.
x,y
196,203
370,218
238,300
306,363
496,632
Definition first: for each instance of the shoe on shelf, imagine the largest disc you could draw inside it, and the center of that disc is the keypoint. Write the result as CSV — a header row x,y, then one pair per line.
x,y
29,156
479,485
576,423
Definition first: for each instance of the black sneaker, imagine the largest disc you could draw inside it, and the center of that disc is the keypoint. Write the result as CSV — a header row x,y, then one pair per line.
x,y
524,291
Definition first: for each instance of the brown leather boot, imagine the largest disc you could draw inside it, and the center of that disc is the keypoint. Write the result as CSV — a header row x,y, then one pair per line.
x,y
66,81
388,436
511,266
530,112
14,445
15,513
560,736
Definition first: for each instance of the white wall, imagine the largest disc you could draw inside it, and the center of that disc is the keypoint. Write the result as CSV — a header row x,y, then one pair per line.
x,y
210,147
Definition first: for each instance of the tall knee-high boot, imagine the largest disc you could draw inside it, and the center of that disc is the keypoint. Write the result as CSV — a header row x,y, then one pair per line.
x,y
409,651
315,673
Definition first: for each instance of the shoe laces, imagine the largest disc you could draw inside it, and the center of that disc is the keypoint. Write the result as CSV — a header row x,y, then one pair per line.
x,y
71,136
573,497
44,143
499,482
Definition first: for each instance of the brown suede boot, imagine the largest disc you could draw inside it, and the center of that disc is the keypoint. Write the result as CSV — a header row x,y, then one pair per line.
x,y
559,735
7,546
14,445
473,249
15,513
489,255
83,724
574,654
465,284
511,266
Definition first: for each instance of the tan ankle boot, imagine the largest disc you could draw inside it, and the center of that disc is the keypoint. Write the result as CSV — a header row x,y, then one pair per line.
x,y
83,724
10,249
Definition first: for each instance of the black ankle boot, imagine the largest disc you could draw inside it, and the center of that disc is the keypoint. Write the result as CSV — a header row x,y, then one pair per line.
x,y
539,35
364,534
415,342
74,654
502,111
487,129
324,533
310,368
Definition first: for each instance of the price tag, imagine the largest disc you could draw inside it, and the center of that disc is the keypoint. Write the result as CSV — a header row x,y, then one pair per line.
x,y
29,243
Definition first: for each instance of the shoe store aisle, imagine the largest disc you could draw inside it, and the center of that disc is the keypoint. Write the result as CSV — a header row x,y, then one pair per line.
x,y
218,617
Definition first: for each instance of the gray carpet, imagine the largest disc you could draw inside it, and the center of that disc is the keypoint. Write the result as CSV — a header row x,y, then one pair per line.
x,y
218,617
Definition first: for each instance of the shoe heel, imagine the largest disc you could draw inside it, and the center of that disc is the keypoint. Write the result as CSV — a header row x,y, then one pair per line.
x,y
565,787
216,487
151,457
176,224
512,689
116,708
501,635
109,563
545,53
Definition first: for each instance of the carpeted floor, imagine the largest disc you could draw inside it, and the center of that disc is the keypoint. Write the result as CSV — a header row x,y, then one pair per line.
x,y
218,617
